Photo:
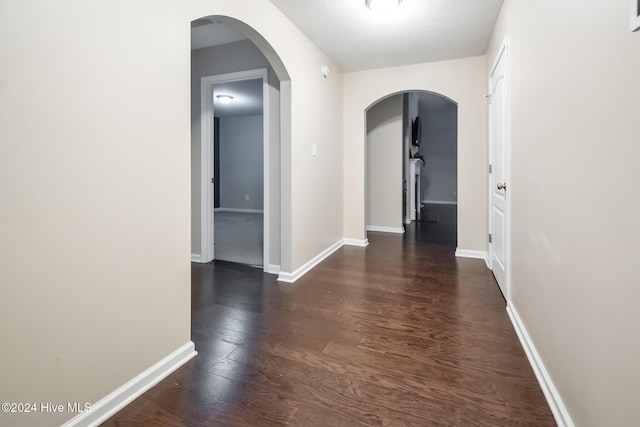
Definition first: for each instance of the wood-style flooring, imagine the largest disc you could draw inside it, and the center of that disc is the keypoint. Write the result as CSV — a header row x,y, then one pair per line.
x,y
400,333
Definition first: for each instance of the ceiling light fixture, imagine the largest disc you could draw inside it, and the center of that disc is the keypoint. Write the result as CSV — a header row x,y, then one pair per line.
x,y
225,99
383,6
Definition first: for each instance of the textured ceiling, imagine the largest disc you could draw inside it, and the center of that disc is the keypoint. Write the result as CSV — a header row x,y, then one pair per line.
x,y
419,31
355,38
207,33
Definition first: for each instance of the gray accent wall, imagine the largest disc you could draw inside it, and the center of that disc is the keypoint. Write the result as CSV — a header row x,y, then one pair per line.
x,y
241,162
439,117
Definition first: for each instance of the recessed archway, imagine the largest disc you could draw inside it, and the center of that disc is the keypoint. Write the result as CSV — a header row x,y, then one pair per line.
x,y
462,81
277,96
405,131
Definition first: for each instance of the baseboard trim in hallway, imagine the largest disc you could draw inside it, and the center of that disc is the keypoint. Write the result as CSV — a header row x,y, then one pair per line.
x,y
272,269
298,273
238,210
356,242
549,389
118,399
304,269
380,229
465,253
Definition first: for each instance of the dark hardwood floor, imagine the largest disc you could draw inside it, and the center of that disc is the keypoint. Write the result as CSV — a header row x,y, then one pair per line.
x,y
400,333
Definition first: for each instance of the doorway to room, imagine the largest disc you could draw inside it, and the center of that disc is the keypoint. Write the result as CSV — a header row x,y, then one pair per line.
x,y
237,191
238,156
499,209
411,165
235,123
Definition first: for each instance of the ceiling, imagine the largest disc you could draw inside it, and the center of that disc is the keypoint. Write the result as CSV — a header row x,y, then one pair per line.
x,y
355,38
247,98
419,31
207,33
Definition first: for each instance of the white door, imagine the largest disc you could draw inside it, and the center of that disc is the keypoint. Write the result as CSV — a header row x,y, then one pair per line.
x,y
498,177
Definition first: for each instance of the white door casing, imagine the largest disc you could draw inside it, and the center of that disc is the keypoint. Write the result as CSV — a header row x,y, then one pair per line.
x,y
499,170
207,162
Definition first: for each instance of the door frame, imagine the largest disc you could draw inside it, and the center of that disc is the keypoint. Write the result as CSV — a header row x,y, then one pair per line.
x,y
207,161
503,53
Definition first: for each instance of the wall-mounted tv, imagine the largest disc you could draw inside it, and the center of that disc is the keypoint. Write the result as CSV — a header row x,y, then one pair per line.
x,y
416,132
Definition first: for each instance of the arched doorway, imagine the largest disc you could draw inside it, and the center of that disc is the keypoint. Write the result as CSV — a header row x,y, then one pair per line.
x,y
463,82
411,165
243,48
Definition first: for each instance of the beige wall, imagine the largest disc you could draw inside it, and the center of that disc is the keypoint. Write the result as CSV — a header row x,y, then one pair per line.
x,y
94,167
465,82
316,181
384,163
94,160
575,197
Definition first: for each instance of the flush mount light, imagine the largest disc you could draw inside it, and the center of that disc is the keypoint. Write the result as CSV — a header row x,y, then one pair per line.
x,y
225,99
382,6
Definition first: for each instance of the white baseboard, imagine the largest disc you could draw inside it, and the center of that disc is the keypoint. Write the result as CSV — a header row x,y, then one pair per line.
x,y
397,230
238,210
487,262
356,242
301,271
118,399
465,253
560,413
408,221
272,269
196,258
438,202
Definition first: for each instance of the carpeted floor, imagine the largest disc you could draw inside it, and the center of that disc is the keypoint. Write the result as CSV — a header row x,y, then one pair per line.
x,y
238,237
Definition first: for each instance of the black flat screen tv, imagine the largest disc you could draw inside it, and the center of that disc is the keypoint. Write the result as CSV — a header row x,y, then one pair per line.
x,y
416,132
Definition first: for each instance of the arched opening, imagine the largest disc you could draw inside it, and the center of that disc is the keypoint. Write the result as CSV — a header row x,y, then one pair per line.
x,y
411,158
236,148
240,185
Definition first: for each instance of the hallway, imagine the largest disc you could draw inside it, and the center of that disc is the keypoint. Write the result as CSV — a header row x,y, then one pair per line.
x,y
398,334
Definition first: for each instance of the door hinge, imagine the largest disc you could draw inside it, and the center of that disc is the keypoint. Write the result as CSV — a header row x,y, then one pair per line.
x,y
212,181
490,237
490,168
